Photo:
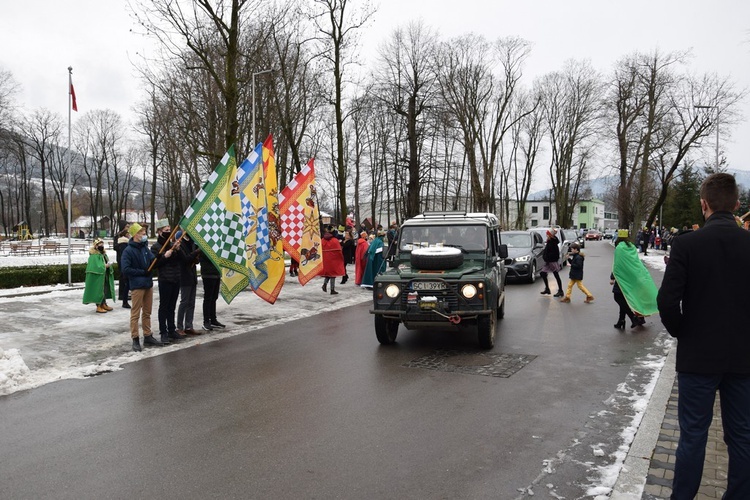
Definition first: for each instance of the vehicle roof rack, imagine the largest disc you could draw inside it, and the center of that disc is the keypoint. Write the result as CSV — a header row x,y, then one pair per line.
x,y
448,213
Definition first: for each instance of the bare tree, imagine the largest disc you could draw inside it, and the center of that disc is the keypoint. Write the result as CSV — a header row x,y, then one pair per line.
x,y
526,138
211,32
479,102
571,100
8,90
652,106
98,139
407,82
337,27
298,88
43,129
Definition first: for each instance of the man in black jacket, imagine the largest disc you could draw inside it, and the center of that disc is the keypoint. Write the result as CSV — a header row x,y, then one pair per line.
x,y
169,261
703,304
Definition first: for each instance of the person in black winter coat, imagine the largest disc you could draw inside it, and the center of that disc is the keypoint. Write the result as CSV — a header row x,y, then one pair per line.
x,y
188,285
169,262
211,286
576,274
703,303
348,247
551,257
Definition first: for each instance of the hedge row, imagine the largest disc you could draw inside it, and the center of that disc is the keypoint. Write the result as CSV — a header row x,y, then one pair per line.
x,y
13,277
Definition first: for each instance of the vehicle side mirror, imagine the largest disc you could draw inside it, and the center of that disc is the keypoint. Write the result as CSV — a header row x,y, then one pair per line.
x,y
503,251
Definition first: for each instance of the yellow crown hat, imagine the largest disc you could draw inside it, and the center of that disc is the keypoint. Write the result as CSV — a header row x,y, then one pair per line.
x,y
622,233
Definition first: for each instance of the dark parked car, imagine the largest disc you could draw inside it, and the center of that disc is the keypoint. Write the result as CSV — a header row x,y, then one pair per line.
x,y
524,254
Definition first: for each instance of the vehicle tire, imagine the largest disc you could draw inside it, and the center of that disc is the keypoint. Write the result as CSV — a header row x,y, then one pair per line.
x,y
532,276
501,309
436,258
486,331
386,329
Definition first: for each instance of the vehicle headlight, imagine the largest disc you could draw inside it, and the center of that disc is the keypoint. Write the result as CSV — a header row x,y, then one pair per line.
x,y
392,291
469,291
523,258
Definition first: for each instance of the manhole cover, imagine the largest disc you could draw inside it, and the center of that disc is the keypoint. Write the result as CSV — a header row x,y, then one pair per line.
x,y
473,363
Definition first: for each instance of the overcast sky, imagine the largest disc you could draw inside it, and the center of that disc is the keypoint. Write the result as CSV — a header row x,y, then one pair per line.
x,y
41,38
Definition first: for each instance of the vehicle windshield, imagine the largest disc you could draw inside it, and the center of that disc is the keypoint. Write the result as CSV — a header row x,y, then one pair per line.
x,y
469,238
517,240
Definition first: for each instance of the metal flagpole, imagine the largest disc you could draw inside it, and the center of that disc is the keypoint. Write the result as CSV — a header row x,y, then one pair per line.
x,y
70,185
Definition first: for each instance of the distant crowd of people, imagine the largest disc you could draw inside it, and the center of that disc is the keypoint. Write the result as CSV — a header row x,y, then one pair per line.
x,y
367,251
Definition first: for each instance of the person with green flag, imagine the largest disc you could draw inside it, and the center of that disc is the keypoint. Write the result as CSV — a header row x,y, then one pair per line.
x,y
637,291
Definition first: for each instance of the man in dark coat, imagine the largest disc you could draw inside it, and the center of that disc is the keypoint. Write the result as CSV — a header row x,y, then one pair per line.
x,y
211,278
703,304
188,285
169,261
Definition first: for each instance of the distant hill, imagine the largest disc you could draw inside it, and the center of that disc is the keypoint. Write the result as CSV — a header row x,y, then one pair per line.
x,y
600,184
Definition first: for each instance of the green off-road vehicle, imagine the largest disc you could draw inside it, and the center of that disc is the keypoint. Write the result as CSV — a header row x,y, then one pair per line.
x,y
448,272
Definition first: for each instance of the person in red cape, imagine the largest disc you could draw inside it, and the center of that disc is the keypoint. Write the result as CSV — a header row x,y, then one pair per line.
x,y
333,260
360,258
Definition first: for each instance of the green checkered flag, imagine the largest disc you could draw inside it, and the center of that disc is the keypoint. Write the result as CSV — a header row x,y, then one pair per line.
x,y
214,222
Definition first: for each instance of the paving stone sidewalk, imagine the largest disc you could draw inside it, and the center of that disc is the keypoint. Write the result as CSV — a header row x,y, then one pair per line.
x,y
661,471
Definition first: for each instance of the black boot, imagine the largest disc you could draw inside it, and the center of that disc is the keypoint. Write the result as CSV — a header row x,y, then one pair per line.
x,y
150,340
137,345
545,291
325,287
559,293
125,305
620,325
344,279
334,292
165,339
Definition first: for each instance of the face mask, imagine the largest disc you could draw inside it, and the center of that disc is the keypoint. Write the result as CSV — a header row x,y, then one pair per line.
x,y
144,239
101,249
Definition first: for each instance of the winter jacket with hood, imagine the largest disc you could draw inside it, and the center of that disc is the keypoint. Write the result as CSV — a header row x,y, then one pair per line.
x,y
136,259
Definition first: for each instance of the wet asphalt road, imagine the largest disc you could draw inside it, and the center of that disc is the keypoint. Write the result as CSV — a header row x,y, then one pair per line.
x,y
317,409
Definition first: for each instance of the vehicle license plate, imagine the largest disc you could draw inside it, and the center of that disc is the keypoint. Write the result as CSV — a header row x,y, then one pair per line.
x,y
428,285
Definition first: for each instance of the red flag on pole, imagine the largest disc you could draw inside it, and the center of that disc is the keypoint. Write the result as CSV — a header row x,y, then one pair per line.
x,y
73,95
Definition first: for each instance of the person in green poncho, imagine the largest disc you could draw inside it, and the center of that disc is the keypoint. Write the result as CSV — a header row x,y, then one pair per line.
x,y
632,286
100,281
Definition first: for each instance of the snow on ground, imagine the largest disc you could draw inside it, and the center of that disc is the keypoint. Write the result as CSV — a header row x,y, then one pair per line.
x,y
50,335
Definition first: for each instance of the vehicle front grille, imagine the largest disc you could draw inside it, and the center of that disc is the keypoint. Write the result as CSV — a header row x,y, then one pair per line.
x,y
448,297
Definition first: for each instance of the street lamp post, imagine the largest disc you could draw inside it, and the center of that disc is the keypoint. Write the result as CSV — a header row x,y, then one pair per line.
x,y
701,106
263,72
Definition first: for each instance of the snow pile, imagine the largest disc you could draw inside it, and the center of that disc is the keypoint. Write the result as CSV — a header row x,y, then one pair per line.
x,y
13,371
638,398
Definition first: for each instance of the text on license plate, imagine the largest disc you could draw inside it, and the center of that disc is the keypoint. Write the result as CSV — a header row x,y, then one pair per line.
x,y
429,285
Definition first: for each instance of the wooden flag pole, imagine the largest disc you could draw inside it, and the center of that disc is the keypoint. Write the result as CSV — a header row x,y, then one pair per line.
x,y
164,246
